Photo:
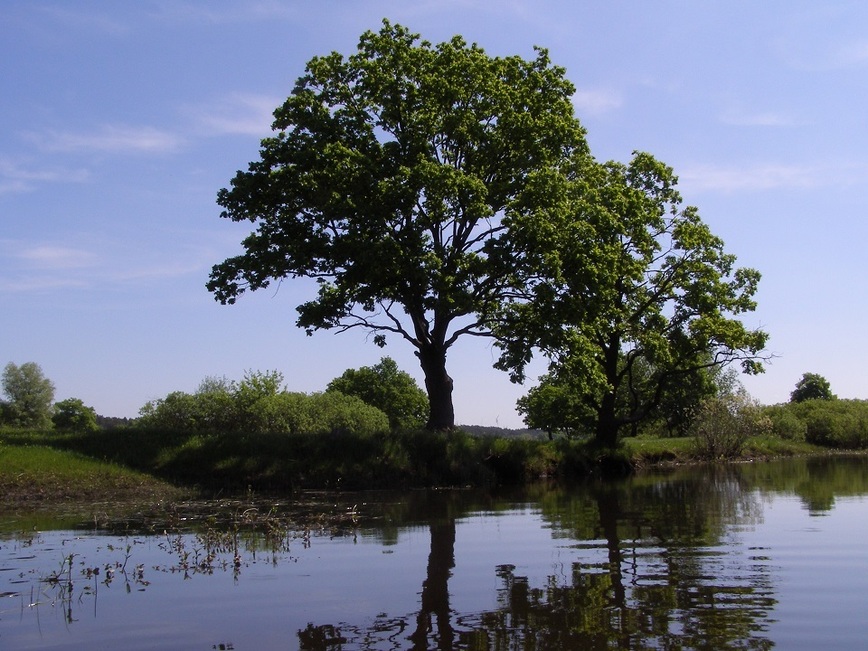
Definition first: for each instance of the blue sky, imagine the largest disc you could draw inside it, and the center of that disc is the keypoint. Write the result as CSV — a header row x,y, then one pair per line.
x,y
120,121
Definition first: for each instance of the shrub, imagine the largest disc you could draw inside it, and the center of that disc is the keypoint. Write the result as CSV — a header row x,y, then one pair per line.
x,y
724,424
834,423
390,390
334,412
284,412
74,416
812,386
177,411
785,423
30,395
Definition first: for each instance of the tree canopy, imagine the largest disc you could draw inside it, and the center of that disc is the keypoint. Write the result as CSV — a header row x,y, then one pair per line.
x,y
626,292
389,389
387,181
75,416
812,386
434,191
30,395
260,404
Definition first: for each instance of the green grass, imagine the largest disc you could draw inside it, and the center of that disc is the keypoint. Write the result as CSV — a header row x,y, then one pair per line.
x,y
643,451
33,474
648,451
147,464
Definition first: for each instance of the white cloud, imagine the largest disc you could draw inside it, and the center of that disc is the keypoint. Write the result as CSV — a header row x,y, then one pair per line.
x,y
50,266
43,267
242,114
55,257
824,36
758,119
772,176
18,177
232,13
32,284
110,138
837,55
852,54
79,19
595,102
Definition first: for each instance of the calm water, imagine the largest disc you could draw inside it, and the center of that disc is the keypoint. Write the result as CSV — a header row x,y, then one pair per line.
x,y
755,556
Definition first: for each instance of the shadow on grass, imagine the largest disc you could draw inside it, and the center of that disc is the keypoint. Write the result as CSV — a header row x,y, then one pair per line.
x,y
278,461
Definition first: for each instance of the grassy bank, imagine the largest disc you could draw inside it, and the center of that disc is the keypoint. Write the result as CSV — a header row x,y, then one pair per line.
x,y
47,465
35,474
643,452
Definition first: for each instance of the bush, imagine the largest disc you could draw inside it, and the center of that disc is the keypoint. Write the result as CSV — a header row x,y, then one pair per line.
x,y
30,396
285,412
785,423
834,423
73,415
334,412
724,424
390,390
177,411
812,386
254,409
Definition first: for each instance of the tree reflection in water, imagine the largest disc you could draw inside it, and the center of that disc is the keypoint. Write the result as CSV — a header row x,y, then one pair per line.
x,y
654,571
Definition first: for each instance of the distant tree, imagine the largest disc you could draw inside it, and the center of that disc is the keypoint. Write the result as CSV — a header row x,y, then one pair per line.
x,y
284,412
555,408
73,415
216,404
812,386
725,422
387,182
257,404
618,274
256,385
684,396
177,411
29,395
335,412
387,388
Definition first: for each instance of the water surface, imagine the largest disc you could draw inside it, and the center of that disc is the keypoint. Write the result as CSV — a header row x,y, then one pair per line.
x,y
751,556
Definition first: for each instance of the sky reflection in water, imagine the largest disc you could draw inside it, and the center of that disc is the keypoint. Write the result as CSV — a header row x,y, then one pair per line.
x,y
762,556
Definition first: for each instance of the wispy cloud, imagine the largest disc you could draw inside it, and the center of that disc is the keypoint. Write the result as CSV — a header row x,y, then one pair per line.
x,y
854,53
54,257
824,36
16,176
769,176
759,119
840,55
84,20
110,138
32,284
596,102
47,266
228,13
760,177
241,114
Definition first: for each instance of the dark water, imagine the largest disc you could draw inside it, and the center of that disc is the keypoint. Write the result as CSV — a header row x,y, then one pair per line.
x,y
753,556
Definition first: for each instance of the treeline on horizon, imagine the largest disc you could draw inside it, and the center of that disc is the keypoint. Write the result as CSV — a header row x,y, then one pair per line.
x,y
382,399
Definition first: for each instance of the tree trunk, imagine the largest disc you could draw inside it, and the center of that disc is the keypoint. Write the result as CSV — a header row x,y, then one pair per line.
x,y
607,422
607,412
438,384
435,591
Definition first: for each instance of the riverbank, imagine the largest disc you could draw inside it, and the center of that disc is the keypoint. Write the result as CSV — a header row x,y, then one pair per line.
x,y
36,475
47,466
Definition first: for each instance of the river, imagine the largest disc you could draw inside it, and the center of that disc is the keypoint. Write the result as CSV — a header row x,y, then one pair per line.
x,y
746,556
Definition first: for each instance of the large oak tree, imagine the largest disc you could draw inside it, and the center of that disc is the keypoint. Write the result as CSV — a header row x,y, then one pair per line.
x,y
387,180
626,292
